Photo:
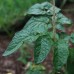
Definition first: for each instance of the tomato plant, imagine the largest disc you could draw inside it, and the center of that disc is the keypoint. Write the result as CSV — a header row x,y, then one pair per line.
x,y
46,30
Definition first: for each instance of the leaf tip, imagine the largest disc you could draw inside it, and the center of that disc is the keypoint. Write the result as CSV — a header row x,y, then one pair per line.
x,y
4,54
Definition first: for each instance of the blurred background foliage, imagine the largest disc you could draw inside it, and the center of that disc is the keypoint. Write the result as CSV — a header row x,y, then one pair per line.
x,y
12,10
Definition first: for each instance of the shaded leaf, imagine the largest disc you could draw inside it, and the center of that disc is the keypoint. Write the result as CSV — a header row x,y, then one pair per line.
x,y
36,69
42,48
70,62
61,54
51,35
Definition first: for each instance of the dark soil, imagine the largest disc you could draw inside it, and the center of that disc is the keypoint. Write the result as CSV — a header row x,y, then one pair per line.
x,y
8,64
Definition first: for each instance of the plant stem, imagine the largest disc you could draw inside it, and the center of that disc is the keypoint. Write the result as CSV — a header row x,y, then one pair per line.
x,y
54,20
54,27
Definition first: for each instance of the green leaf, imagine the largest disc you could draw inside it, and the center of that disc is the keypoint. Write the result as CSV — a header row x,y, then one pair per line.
x,y
67,38
49,26
46,5
33,29
72,37
42,9
31,38
51,35
35,72
22,60
57,10
42,48
36,69
60,27
36,10
37,25
61,54
71,55
18,40
63,20
39,9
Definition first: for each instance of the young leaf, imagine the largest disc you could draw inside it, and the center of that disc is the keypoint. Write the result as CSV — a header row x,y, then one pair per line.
x,y
61,54
36,69
51,35
36,10
39,9
46,5
49,26
42,48
42,9
63,20
60,27
57,10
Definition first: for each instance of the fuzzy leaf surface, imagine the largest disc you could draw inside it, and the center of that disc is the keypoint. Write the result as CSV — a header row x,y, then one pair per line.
x,y
42,48
30,33
42,9
60,54
60,27
63,19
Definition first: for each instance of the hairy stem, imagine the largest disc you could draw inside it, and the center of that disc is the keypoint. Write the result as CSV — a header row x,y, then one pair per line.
x,y
54,27
54,20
